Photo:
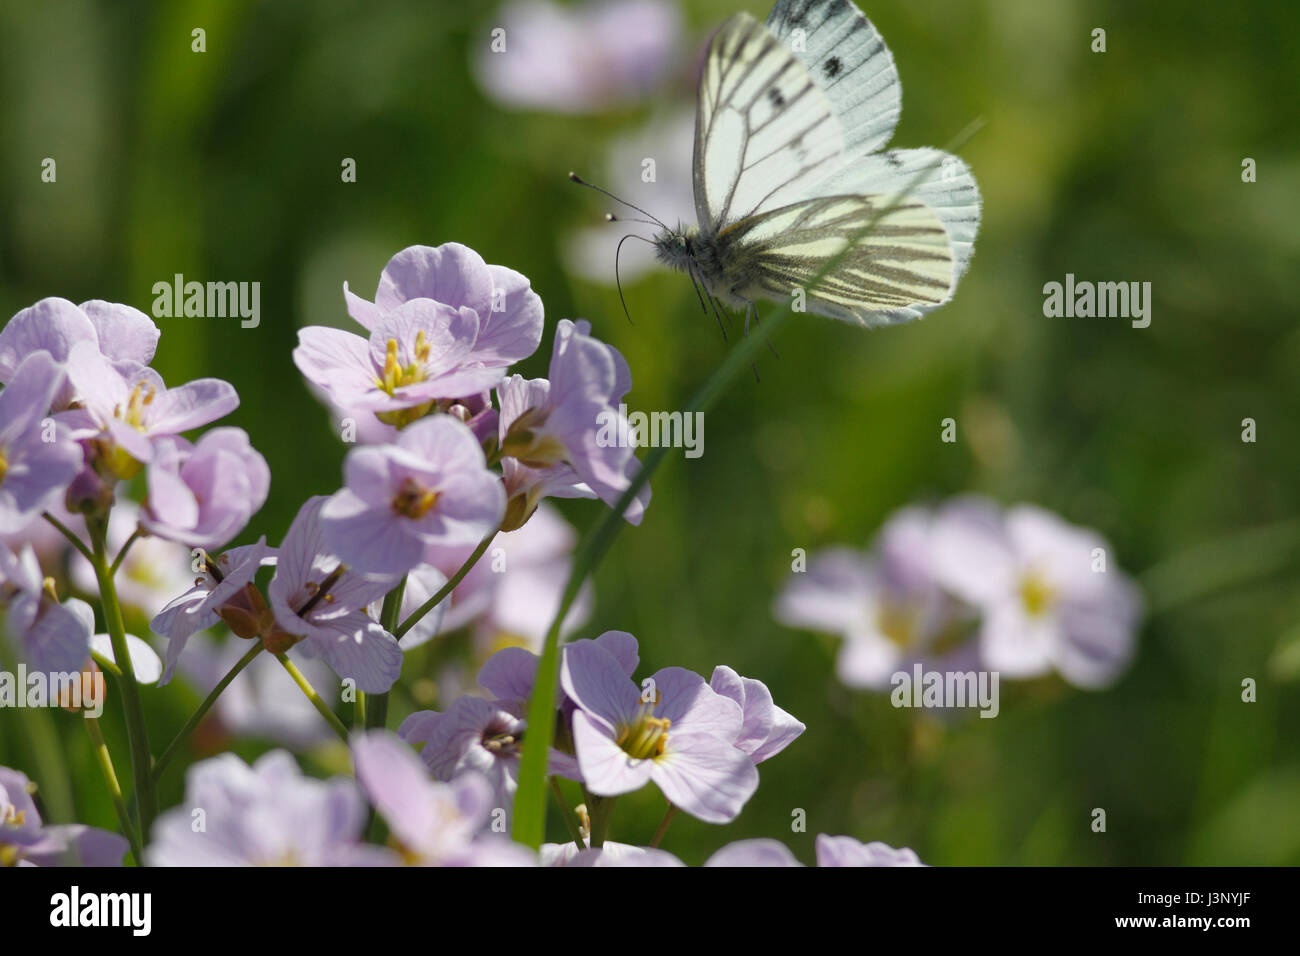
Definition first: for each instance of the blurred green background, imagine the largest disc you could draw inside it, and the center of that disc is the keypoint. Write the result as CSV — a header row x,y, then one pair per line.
x,y
1117,166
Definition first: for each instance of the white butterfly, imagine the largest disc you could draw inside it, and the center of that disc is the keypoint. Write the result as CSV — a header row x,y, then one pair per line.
x,y
787,174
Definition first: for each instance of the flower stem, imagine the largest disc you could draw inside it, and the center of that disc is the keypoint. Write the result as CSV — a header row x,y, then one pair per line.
x,y
601,809
76,542
446,589
376,708
105,761
161,763
570,820
146,804
317,701
664,824
136,535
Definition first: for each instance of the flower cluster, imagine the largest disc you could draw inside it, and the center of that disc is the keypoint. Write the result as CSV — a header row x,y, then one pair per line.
x,y
81,413
1019,591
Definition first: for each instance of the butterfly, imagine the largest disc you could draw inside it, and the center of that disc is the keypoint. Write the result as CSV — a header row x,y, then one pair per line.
x,y
788,173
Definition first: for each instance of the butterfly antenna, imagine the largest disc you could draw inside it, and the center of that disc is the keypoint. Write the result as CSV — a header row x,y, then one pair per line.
x,y
617,279
605,192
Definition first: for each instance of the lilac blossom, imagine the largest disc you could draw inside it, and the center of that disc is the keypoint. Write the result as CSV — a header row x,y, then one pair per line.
x,y
509,312
26,841
766,729
1048,597
38,460
227,579
268,814
203,494
682,737
432,488
53,637
129,405
846,851
473,735
887,605
316,598
565,436
432,823
579,59
53,326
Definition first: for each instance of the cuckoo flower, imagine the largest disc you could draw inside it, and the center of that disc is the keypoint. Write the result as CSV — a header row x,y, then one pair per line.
x,y
26,841
846,851
53,326
509,312
757,852
766,729
606,855
580,59
203,494
472,735
1048,596
433,824
223,589
130,407
37,458
886,604
675,731
268,814
53,637
565,436
318,599
431,488
418,358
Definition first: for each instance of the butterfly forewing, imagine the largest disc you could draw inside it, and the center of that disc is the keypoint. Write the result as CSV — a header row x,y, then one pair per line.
x,y
765,133
849,61
897,257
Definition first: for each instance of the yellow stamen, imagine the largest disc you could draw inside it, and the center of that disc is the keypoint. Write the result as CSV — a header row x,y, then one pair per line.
x,y
412,500
1036,594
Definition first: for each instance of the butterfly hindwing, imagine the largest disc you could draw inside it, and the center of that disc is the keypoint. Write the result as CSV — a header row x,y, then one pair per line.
x,y
765,133
898,256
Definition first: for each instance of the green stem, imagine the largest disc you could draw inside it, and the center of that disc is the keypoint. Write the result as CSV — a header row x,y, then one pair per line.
x,y
530,799
105,761
146,804
446,589
317,701
136,535
570,820
600,809
76,542
376,708
664,824
161,763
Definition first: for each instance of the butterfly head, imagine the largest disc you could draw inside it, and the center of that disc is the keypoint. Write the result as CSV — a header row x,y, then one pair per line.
x,y
675,248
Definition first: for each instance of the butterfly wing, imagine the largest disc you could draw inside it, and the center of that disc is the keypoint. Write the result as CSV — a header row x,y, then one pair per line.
x,y
898,257
765,133
946,185
850,63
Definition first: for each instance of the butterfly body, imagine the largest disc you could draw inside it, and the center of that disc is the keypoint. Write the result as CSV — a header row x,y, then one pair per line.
x,y
790,183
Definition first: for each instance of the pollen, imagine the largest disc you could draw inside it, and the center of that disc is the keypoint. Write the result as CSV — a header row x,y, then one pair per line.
x,y
645,737
412,500
1036,594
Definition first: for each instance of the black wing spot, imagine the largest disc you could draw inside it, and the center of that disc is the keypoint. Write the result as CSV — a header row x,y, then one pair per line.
x,y
776,98
832,67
